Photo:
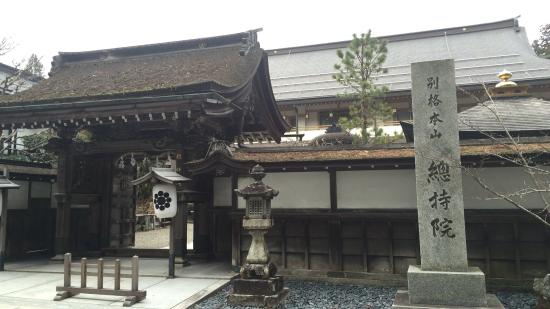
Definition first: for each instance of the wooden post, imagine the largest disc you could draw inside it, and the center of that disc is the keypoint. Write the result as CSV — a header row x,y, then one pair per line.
x,y
83,272
365,246
236,242
171,252
64,183
135,272
132,295
180,235
306,242
3,227
283,244
100,274
391,258
117,274
335,247
67,270
333,191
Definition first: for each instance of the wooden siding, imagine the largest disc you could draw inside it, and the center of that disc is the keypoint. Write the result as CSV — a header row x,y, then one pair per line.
x,y
503,247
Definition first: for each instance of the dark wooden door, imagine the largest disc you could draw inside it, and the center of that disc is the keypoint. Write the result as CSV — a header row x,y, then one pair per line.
x,y
40,226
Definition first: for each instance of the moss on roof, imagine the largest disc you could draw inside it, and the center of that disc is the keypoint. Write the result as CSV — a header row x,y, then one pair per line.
x,y
310,155
218,67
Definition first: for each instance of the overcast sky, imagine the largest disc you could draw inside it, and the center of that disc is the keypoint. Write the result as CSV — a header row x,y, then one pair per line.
x,y
48,26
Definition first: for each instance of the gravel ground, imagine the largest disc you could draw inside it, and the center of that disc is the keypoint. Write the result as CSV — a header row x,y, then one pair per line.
x,y
517,300
322,295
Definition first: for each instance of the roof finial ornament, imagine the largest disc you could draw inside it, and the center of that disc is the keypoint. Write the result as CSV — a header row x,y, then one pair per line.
x,y
507,88
505,81
249,42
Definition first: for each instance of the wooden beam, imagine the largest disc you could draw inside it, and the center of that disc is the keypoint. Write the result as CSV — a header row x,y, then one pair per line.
x,y
390,248
365,246
517,254
487,250
333,191
306,241
63,197
234,186
547,241
283,244
3,227
236,242
335,244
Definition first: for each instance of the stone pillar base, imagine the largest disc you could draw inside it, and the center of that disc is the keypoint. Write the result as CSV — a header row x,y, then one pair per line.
x,y
402,302
430,289
268,293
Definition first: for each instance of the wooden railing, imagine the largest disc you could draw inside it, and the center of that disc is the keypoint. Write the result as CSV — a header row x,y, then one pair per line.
x,y
132,296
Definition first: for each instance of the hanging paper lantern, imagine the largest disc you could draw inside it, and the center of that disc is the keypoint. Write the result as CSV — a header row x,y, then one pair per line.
x,y
164,199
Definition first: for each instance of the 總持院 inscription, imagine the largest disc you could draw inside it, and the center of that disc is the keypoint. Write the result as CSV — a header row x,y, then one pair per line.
x,y
438,175
444,278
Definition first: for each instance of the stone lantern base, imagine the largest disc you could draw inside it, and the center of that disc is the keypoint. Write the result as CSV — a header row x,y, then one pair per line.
x,y
268,293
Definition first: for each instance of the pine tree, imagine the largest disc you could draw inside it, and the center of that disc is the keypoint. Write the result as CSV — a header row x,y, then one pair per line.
x,y
542,46
34,66
358,65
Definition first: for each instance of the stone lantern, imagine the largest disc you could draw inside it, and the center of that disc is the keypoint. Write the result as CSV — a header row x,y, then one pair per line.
x,y
258,285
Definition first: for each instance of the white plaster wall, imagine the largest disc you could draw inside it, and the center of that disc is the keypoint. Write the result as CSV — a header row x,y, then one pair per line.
x,y
502,179
41,189
378,189
222,191
19,198
395,189
296,189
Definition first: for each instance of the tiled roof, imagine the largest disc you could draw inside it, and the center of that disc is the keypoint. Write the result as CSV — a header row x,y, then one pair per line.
x,y
514,114
520,116
480,53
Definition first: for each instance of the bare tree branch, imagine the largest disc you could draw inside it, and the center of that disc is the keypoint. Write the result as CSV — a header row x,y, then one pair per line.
x,y
514,153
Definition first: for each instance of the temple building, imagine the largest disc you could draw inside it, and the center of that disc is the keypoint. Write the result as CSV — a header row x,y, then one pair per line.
x,y
215,107
307,94
163,102
349,211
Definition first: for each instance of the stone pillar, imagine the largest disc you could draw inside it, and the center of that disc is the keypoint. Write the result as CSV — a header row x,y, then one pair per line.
x,y
443,278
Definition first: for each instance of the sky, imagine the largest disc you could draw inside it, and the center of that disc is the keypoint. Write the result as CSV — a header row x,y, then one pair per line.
x,y
46,27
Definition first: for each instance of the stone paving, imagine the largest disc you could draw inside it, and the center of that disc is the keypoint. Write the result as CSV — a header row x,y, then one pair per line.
x,y
31,284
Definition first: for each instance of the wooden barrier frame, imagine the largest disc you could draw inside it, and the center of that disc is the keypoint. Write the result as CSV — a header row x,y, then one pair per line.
x,y
132,296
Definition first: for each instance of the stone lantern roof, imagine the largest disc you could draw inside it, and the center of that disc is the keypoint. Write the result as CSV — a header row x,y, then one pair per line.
x,y
257,188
